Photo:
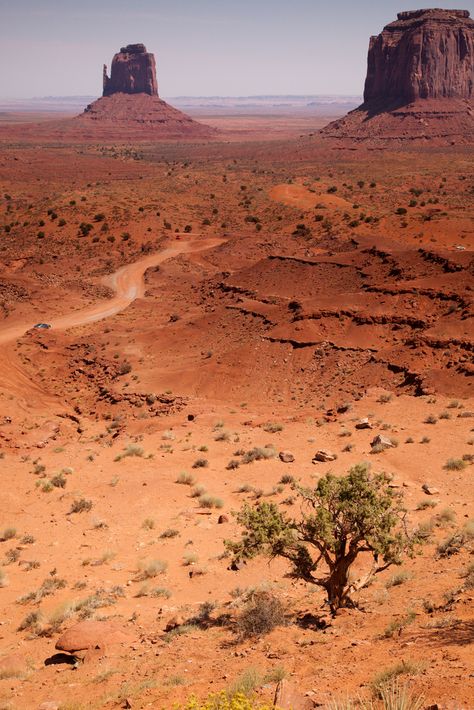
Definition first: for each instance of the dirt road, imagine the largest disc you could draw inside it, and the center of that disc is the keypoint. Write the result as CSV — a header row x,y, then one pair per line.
x,y
128,284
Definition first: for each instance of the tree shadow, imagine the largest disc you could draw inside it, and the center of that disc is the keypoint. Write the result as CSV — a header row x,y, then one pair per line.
x,y
460,633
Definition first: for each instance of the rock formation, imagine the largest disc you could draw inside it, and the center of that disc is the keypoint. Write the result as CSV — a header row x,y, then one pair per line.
x,y
133,71
420,79
130,101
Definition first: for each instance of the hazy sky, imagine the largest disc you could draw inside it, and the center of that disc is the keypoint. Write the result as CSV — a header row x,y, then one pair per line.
x,y
202,47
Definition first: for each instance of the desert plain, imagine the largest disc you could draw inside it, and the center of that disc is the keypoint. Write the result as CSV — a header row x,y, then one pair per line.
x,y
264,289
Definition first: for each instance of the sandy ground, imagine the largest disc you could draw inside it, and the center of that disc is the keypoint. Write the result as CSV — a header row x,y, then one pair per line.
x,y
271,288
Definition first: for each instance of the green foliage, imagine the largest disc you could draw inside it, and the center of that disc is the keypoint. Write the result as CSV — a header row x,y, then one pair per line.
x,y
338,520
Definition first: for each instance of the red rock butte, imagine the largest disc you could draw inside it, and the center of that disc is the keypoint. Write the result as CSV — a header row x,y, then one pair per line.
x,y
420,80
130,100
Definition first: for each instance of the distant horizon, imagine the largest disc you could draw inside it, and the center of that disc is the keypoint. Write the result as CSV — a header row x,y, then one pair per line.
x,y
211,48
189,96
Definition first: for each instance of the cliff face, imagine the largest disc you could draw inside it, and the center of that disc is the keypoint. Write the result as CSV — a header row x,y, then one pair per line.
x,y
420,82
425,54
133,71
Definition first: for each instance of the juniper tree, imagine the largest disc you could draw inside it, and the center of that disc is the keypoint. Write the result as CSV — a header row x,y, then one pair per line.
x,y
339,519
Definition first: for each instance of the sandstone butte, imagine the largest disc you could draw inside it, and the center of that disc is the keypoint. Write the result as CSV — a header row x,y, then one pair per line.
x,y
130,100
420,81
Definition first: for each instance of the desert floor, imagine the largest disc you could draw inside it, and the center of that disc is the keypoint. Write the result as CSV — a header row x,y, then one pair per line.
x,y
267,288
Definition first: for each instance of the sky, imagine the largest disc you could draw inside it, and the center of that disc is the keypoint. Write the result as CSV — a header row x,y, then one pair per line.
x,y
202,47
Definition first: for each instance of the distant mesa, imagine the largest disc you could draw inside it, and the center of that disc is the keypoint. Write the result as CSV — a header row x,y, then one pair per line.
x,y
420,80
130,100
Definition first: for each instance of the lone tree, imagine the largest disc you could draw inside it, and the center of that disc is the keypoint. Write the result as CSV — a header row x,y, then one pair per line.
x,y
339,519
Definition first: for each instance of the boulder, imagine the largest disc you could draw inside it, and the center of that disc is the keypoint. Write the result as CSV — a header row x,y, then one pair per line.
x,y
90,638
383,441
364,424
322,456
222,519
286,456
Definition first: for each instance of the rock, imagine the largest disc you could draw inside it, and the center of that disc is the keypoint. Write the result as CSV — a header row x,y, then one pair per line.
x,y
383,441
133,71
89,639
222,519
174,622
429,490
286,456
419,80
130,99
363,424
288,697
425,54
322,455
49,705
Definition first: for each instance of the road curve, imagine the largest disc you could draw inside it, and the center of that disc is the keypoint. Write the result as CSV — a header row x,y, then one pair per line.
x,y
128,284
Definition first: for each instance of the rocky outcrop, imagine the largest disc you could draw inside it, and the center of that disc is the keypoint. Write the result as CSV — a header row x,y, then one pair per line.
x,y
425,54
130,105
420,81
133,71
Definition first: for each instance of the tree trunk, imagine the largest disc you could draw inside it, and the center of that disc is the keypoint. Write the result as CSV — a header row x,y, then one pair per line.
x,y
337,586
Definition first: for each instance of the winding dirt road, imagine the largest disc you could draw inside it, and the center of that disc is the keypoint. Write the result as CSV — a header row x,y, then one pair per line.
x,y
128,284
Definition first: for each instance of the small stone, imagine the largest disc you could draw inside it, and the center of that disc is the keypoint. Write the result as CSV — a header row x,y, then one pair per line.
x,y
383,441
322,455
429,490
364,424
222,519
286,456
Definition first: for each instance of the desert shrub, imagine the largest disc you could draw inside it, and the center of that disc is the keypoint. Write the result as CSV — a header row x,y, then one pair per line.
x,y
398,625
424,504
151,568
272,427
169,533
258,454
148,524
80,505
455,465
201,463
185,479
339,518
130,450
224,701
208,501
262,613
430,419
198,491
398,579
124,368
59,481
469,577
233,464
384,680
8,534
